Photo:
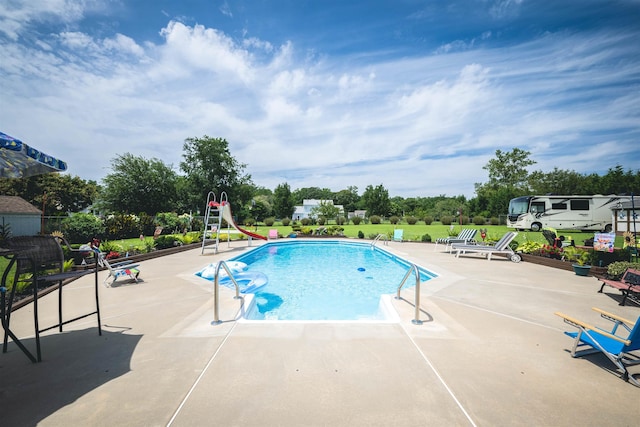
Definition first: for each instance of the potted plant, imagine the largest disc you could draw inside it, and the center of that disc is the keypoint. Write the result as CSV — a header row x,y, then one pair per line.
x,y
580,259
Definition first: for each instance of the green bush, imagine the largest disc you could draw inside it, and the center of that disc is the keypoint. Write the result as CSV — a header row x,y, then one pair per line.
x,y
249,222
412,220
122,226
168,221
286,221
360,233
426,238
394,219
446,220
341,220
428,220
81,227
356,220
479,220
322,220
615,270
375,219
305,221
269,221
494,221
167,241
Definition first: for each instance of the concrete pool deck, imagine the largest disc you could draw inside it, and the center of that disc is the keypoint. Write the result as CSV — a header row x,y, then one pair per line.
x,y
490,352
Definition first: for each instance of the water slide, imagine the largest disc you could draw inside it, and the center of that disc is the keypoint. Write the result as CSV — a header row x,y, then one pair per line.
x,y
226,215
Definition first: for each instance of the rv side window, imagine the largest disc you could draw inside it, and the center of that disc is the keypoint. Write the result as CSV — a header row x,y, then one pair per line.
x,y
579,205
560,206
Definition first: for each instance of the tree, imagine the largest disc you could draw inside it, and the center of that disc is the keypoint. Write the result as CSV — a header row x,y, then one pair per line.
x,y
376,200
64,193
308,193
209,166
283,205
509,169
326,209
348,198
139,185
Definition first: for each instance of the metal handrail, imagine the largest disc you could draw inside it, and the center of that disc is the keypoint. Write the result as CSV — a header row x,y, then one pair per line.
x,y
216,286
378,237
414,268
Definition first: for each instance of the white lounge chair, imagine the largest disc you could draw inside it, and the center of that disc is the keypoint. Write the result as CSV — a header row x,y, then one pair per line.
x,y
398,235
501,247
119,270
466,236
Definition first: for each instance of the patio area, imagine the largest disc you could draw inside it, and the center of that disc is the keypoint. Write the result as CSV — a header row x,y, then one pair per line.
x,y
490,352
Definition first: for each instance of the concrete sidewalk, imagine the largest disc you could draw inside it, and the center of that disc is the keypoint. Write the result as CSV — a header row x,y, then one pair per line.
x,y
490,352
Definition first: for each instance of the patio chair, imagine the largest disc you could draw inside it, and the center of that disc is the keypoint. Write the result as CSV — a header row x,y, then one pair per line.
x,y
124,269
398,235
592,339
501,247
466,236
273,234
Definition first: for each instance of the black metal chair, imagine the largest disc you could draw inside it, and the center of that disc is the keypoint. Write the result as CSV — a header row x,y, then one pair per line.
x,y
43,258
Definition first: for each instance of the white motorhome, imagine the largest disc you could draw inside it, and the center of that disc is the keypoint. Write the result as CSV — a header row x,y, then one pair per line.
x,y
588,213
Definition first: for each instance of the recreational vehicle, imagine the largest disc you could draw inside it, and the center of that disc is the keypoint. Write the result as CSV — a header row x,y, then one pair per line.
x,y
588,213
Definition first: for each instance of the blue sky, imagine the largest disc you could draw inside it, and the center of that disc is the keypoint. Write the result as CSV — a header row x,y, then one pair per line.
x,y
414,95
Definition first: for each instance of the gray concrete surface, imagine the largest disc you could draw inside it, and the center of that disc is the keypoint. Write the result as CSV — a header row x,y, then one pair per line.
x,y
489,353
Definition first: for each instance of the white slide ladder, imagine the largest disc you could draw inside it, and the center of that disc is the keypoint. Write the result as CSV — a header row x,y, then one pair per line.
x,y
213,220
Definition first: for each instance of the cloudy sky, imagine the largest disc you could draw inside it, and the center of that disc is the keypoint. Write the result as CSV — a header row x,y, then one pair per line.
x,y
416,95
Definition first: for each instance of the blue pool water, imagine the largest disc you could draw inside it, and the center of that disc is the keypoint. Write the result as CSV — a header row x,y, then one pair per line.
x,y
327,280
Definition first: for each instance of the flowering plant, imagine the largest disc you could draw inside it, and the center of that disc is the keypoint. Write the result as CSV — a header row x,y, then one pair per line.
x,y
551,251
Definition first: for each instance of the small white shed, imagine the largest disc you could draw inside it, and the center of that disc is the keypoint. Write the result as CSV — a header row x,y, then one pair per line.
x,y
21,217
625,218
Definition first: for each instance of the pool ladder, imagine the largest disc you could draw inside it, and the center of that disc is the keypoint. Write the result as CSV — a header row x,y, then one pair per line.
x,y
380,237
216,290
414,268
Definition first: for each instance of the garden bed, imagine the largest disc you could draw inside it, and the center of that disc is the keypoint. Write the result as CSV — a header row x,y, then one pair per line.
x,y
563,265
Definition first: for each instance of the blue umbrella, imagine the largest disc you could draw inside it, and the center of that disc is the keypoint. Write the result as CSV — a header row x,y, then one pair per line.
x,y
19,160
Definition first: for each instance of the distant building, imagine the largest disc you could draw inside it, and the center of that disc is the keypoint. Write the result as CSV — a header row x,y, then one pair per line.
x,y
304,211
359,213
22,217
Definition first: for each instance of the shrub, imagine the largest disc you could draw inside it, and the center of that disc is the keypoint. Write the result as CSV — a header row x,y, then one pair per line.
x,y
394,219
306,230
167,241
341,220
269,221
412,220
81,227
426,238
110,246
494,221
122,226
305,221
615,270
360,233
286,221
249,222
479,220
356,221
168,221
428,220
446,220
322,220
375,219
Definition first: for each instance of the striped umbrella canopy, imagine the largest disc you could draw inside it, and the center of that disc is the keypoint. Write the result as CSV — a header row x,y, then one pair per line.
x,y
19,160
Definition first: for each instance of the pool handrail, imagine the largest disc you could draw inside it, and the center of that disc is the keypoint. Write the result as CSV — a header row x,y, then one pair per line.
x,y
414,268
216,286
378,237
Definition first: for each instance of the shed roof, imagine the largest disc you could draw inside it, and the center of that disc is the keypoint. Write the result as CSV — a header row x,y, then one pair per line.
x,y
17,205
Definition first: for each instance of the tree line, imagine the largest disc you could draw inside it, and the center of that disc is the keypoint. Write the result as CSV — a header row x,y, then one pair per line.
x,y
140,185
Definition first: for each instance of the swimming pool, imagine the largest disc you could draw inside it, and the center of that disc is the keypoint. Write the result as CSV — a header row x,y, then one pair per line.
x,y
322,280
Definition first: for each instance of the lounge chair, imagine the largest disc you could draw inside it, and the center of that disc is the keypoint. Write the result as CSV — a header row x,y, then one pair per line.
x,y
466,236
629,285
592,339
273,234
398,235
119,270
501,247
